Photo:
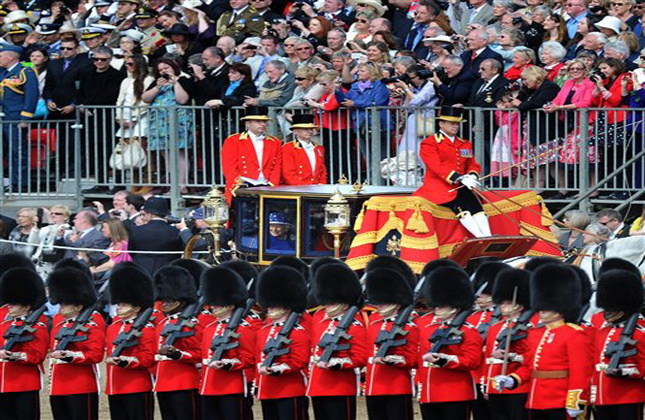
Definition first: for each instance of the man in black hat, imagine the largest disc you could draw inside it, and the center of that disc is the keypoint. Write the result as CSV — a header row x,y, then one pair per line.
x,y
333,385
224,389
155,235
177,376
252,157
303,162
451,172
281,386
73,375
129,386
153,39
20,367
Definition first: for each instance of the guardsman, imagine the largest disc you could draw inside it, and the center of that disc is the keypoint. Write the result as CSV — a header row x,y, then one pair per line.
x,y
619,391
388,387
74,374
518,317
303,162
223,390
19,96
129,385
452,359
7,262
450,164
21,366
598,319
252,157
153,39
241,22
559,361
282,384
333,385
176,374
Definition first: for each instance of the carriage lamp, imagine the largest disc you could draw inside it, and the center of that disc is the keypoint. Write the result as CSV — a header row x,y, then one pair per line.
x,y
215,214
337,218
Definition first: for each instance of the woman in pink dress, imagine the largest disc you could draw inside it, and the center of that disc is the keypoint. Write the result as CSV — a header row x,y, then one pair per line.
x,y
117,251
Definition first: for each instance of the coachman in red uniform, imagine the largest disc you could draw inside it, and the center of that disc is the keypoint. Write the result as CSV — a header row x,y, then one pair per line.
x,y
450,163
447,388
558,366
21,366
619,392
252,156
333,385
129,383
388,387
282,384
303,162
223,388
176,371
74,372
509,404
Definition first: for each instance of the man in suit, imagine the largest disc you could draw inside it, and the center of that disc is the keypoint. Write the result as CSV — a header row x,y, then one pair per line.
x,y
456,87
240,23
462,16
84,235
413,41
478,50
155,235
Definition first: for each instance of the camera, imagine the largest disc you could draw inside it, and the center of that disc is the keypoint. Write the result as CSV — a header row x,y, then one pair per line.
x,y
443,5
439,72
597,75
404,78
165,76
517,20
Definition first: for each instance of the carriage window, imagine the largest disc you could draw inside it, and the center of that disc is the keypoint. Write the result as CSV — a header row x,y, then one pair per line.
x,y
280,229
248,224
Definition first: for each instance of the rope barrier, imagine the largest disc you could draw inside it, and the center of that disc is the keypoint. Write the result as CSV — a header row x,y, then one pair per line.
x,y
72,248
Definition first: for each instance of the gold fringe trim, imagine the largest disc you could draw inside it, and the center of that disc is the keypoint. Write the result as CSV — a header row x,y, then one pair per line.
x,y
416,222
530,230
359,219
526,199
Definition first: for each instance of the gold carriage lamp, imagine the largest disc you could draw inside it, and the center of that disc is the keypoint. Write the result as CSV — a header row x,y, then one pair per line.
x,y
215,214
337,218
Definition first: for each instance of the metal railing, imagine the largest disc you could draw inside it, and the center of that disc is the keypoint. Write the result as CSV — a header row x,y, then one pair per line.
x,y
580,151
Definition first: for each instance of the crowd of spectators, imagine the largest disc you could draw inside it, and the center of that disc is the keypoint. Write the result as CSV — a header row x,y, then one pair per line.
x,y
535,62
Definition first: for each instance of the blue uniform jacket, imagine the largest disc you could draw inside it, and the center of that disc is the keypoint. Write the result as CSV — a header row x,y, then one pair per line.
x,y
19,94
377,94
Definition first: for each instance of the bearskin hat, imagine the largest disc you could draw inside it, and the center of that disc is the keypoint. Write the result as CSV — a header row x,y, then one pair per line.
x,y
387,286
434,264
320,262
393,263
130,284
618,264
533,263
585,284
222,286
556,287
484,278
505,284
246,271
175,283
280,286
195,267
293,262
15,260
448,286
75,264
22,286
620,290
71,286
337,283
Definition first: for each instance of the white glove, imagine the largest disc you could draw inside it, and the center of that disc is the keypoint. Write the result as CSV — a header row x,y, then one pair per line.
x,y
574,413
469,181
503,382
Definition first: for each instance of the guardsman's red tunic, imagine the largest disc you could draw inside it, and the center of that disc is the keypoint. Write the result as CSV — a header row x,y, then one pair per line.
x,y
296,166
24,374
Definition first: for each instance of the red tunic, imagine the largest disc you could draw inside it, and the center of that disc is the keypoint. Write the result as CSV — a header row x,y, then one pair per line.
x,y
222,381
181,374
292,382
239,159
296,167
135,377
445,161
561,350
391,379
24,374
343,381
79,376
464,358
477,319
608,390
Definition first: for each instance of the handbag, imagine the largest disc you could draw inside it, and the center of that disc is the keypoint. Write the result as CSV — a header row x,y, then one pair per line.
x,y
128,155
425,125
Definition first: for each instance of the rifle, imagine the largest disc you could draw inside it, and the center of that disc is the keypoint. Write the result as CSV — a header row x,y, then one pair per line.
x,y
616,349
519,331
221,343
173,332
276,346
386,339
484,327
507,353
25,332
451,335
131,338
330,342
67,335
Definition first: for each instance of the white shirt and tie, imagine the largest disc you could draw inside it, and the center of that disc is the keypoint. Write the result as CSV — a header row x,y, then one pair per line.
x,y
258,145
487,84
310,150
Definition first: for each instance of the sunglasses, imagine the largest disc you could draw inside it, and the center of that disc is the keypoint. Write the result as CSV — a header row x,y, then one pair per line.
x,y
289,45
362,20
576,69
617,4
57,214
300,79
101,59
129,64
303,49
67,48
